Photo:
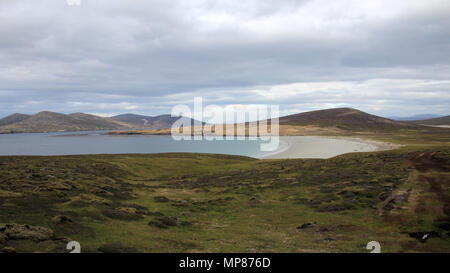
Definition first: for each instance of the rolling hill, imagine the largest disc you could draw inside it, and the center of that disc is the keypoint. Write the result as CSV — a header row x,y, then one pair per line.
x,y
434,121
415,117
321,122
53,122
343,118
157,122
46,121
14,118
337,118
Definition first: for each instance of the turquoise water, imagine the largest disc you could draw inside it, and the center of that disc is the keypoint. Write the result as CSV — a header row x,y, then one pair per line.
x,y
71,143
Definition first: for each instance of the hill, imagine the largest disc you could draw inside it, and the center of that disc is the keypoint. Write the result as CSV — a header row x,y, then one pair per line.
x,y
157,122
52,122
134,119
13,119
343,118
434,121
321,122
415,117
336,119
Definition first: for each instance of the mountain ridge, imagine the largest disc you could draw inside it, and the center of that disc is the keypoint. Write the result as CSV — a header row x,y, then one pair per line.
x,y
47,121
154,122
445,120
343,118
340,118
415,117
14,118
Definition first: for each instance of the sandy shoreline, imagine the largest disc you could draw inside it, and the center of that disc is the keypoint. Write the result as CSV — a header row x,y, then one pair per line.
x,y
324,147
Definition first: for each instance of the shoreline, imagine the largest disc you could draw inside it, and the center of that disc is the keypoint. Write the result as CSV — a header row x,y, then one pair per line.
x,y
324,147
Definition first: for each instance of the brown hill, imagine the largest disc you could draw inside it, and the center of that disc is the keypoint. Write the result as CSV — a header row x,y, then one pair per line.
x,y
343,118
434,121
157,122
53,122
13,119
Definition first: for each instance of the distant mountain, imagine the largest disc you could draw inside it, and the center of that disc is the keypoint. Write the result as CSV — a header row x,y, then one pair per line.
x,y
343,118
13,119
434,121
157,122
416,117
53,122
134,119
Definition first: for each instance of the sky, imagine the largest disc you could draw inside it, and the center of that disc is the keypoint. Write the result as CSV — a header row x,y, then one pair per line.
x,y
108,57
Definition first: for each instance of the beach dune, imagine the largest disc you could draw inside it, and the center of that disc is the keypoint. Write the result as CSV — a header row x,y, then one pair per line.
x,y
323,147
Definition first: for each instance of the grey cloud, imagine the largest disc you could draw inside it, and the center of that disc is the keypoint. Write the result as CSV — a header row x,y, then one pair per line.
x,y
142,53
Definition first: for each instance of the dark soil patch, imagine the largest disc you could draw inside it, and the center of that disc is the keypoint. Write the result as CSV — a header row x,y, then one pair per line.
x,y
163,222
121,215
117,248
161,199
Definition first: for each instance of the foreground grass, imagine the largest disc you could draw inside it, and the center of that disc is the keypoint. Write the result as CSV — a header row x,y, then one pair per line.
x,y
218,203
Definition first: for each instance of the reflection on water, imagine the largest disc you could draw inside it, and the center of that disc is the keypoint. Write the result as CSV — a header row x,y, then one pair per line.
x,y
97,142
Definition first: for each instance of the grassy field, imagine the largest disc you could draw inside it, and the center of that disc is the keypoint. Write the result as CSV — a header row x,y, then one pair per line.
x,y
218,203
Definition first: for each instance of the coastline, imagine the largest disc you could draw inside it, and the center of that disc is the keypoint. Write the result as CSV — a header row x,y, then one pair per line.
x,y
323,147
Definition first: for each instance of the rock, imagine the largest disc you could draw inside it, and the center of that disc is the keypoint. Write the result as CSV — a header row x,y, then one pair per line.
x,y
182,203
389,205
169,221
336,207
185,223
8,249
254,201
155,213
157,224
392,202
2,239
117,248
61,219
306,225
161,199
348,194
423,236
383,196
26,232
324,229
137,207
123,213
163,222
443,223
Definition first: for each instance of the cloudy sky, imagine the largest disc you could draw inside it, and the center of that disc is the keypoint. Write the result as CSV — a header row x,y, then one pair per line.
x,y
117,56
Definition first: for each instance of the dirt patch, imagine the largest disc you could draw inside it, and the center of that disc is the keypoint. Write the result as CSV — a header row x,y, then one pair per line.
x,y
394,200
430,161
161,199
423,236
26,232
117,248
61,219
440,185
123,213
163,222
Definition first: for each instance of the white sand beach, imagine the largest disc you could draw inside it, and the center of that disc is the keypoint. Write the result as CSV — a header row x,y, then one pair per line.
x,y
324,147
